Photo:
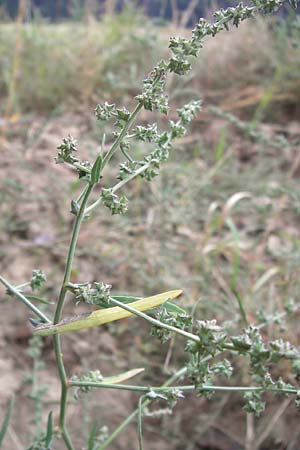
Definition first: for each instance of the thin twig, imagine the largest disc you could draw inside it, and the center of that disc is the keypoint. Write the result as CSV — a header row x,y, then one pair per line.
x,y
24,300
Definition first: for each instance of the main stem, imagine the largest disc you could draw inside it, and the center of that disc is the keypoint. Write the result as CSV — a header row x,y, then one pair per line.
x,y
57,317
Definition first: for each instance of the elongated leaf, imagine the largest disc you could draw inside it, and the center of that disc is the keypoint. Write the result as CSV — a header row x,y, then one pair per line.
x,y
39,299
6,420
101,317
115,379
49,433
96,169
92,437
171,307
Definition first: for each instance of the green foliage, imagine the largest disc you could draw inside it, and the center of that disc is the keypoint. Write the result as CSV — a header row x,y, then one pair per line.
x,y
37,280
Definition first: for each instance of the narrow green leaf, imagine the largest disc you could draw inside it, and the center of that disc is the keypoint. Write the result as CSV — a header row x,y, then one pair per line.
x,y
49,434
92,437
74,207
170,307
96,169
6,419
39,299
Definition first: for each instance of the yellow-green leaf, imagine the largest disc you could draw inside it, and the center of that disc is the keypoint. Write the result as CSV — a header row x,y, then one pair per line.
x,y
101,317
115,379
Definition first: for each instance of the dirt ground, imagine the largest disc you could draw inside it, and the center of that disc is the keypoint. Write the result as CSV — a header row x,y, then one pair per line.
x,y
155,248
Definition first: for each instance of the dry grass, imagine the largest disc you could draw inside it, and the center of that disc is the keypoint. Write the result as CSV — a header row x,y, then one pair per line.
x,y
70,65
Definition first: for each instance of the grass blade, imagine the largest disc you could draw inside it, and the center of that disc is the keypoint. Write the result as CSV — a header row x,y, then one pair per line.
x,y
6,419
92,437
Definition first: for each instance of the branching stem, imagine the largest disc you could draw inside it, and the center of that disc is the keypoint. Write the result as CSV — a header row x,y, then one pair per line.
x,y
156,322
57,317
24,300
147,389
119,186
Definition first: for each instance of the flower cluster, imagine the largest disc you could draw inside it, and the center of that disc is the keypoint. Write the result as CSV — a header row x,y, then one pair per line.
x,y
212,339
181,321
271,6
146,134
117,205
254,403
66,154
38,278
163,140
171,396
105,111
85,293
152,96
94,376
189,111
67,150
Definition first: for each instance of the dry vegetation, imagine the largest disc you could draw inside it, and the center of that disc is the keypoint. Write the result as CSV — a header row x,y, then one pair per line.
x,y
223,218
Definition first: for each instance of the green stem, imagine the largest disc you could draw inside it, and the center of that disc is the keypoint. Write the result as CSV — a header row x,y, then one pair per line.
x,y
24,300
127,156
119,186
57,317
71,253
148,389
139,427
81,196
146,402
21,286
128,387
169,382
79,166
153,321
117,142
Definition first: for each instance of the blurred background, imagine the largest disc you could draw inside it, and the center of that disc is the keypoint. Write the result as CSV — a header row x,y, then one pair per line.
x,y
221,221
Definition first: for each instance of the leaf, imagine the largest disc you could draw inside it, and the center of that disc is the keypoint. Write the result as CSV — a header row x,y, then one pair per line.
x,y
171,307
115,379
126,299
101,317
92,437
74,207
6,419
49,433
96,169
38,299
